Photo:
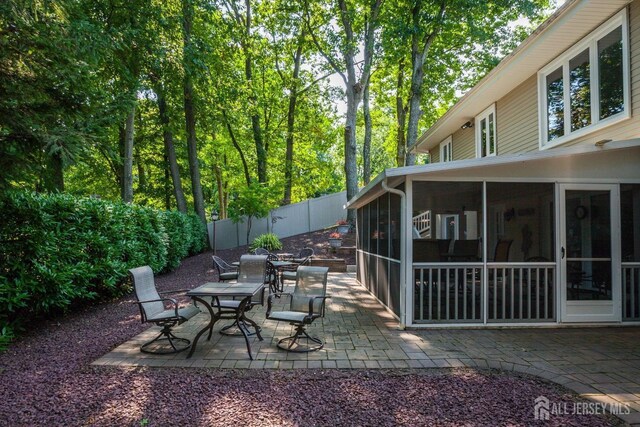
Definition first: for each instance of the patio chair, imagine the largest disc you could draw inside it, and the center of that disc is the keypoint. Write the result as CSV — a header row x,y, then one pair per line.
x,y
501,253
153,310
465,250
252,269
261,251
225,271
303,258
307,303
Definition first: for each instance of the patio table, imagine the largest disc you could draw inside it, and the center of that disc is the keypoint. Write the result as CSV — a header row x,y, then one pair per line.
x,y
278,266
213,291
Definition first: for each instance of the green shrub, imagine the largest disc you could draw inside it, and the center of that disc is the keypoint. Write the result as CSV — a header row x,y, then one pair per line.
x,y
57,251
268,241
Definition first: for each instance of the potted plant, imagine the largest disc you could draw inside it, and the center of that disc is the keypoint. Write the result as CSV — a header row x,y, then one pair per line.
x,y
335,240
343,226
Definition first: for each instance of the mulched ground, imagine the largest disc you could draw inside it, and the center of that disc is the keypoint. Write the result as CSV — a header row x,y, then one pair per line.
x,y
46,380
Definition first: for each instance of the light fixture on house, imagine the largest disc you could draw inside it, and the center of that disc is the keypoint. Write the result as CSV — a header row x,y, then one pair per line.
x,y
601,143
467,125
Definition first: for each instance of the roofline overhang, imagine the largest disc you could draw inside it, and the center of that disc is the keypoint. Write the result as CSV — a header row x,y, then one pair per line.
x,y
397,175
425,143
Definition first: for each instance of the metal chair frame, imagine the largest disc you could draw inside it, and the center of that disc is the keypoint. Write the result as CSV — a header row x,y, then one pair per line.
x,y
153,310
307,303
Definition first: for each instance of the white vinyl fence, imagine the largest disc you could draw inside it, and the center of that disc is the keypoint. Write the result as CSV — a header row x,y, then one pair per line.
x,y
298,218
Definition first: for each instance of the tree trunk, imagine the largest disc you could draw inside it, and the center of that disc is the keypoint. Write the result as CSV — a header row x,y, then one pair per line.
x,y
366,147
127,171
167,177
417,77
189,113
170,151
293,98
232,135
401,118
420,44
350,145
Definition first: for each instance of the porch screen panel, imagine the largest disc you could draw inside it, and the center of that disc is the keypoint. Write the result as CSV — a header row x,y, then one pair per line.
x,y
589,252
447,266
394,287
520,252
630,226
379,241
383,281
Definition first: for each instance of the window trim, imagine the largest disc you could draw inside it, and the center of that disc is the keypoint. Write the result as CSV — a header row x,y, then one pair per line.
x,y
485,115
447,142
588,42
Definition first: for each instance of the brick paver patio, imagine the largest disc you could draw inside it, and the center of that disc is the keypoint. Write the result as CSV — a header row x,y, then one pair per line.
x,y
601,364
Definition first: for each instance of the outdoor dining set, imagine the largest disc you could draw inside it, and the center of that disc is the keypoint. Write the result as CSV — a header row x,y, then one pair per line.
x,y
253,280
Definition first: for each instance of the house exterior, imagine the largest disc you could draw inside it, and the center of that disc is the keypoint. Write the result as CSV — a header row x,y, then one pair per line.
x,y
529,212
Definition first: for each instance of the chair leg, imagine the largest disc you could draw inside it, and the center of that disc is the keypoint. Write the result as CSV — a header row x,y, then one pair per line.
x,y
293,344
175,344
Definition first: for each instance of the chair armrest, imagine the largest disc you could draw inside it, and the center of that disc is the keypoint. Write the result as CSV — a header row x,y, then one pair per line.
x,y
270,300
313,299
175,291
171,300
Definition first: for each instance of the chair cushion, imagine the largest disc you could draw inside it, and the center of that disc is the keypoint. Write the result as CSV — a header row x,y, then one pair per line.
x,y
232,275
189,311
289,275
186,313
228,303
288,316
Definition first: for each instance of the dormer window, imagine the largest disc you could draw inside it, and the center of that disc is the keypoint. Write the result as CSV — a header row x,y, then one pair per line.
x,y
587,88
446,150
485,125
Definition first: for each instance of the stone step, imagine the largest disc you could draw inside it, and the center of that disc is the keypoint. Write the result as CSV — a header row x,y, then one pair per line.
x,y
336,265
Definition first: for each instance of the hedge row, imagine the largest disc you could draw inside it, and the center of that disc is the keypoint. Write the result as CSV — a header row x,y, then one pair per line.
x,y
58,252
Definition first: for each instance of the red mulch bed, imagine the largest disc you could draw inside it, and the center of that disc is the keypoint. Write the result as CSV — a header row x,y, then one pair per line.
x,y
47,380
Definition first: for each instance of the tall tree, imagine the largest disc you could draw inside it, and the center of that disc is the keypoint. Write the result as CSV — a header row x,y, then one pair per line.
x,y
244,21
127,174
189,109
346,68
169,147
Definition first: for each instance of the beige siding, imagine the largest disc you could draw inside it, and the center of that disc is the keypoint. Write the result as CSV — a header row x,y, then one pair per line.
x,y
517,119
517,113
463,144
434,155
628,128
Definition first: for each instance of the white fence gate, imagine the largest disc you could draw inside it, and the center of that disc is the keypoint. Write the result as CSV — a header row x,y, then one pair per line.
x,y
297,218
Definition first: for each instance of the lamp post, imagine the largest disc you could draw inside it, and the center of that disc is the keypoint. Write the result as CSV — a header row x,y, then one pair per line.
x,y
214,218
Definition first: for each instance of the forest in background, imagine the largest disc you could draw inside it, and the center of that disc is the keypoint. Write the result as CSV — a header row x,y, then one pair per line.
x,y
231,105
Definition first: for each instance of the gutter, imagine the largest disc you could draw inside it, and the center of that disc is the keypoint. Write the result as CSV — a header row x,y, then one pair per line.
x,y
403,236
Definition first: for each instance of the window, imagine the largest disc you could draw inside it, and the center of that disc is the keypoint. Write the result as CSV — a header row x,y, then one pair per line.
x,y
587,87
446,150
486,132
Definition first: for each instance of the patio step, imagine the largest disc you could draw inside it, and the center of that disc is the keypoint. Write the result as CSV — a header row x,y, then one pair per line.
x,y
336,265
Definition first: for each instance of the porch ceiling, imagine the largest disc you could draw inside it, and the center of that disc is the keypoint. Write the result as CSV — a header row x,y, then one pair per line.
x,y
617,160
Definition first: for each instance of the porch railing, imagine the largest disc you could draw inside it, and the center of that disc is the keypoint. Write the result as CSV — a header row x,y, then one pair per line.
x,y
456,292
631,291
448,293
521,292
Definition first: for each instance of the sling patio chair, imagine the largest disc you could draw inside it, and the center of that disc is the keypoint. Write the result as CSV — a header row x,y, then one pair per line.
x,y
261,251
225,271
303,258
252,269
153,309
307,303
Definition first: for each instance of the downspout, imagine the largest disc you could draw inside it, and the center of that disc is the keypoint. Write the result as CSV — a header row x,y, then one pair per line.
x,y
403,237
